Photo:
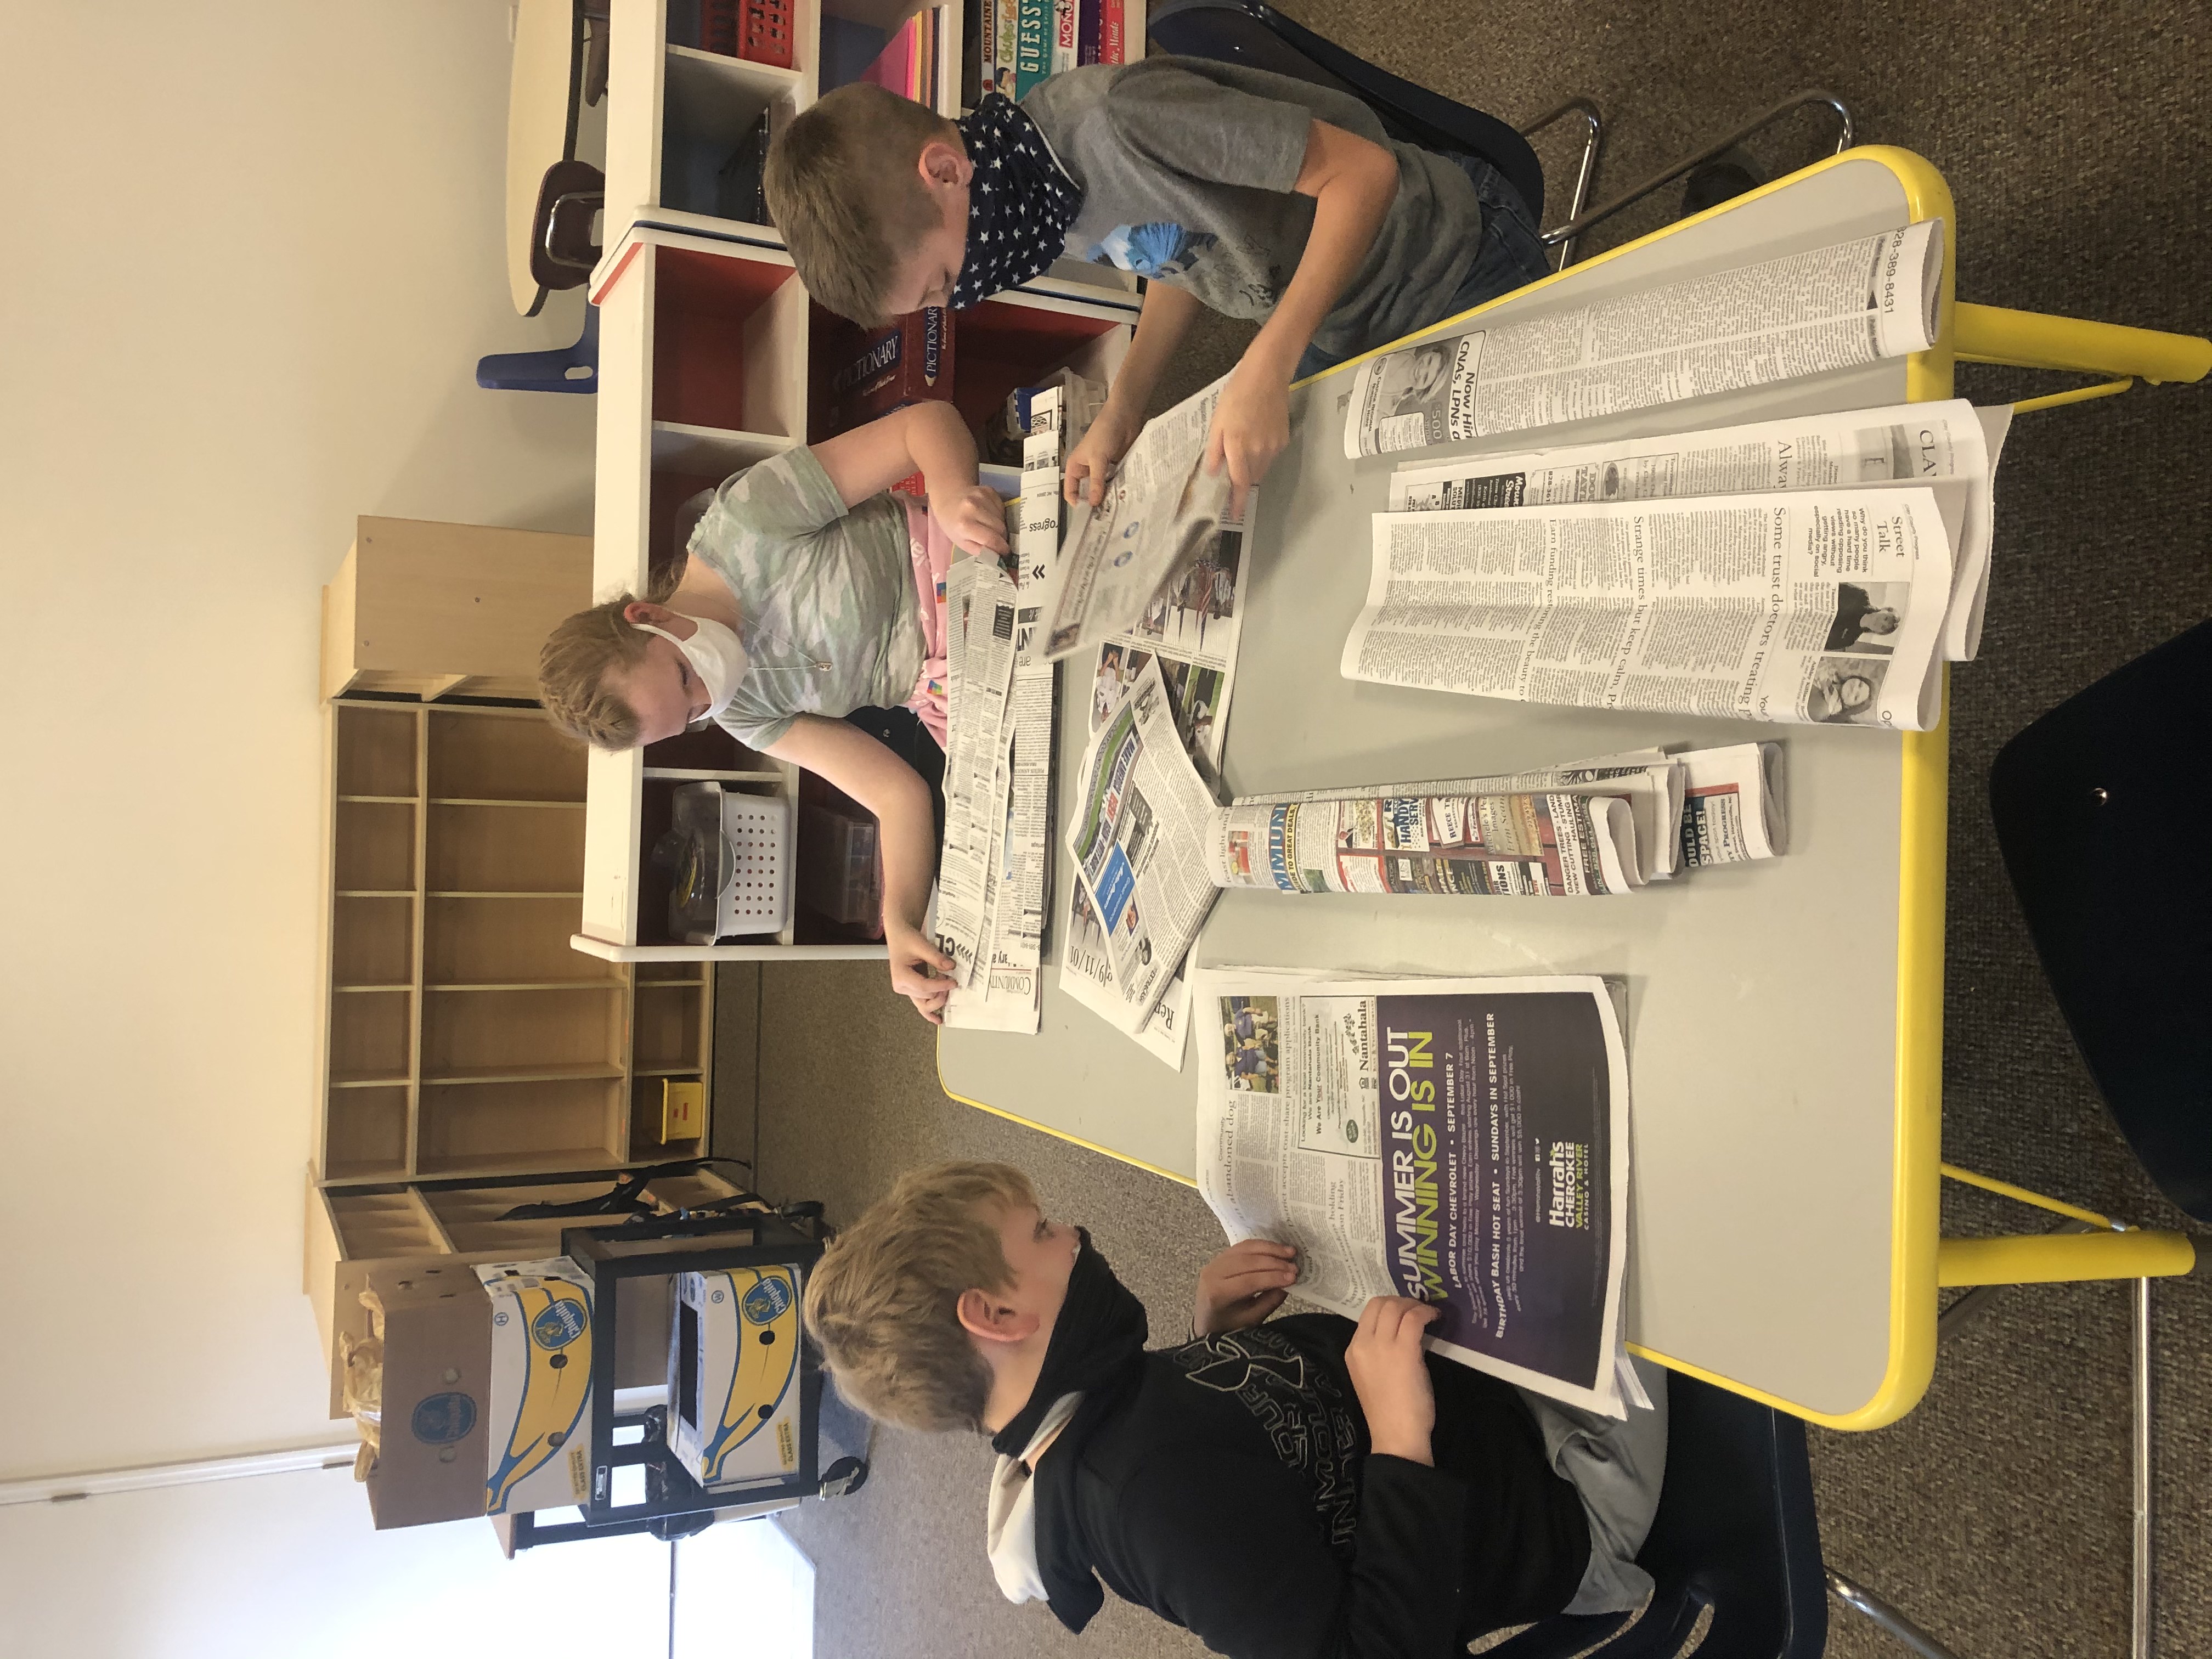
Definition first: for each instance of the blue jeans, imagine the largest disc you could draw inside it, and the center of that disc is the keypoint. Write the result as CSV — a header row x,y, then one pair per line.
x,y
1510,256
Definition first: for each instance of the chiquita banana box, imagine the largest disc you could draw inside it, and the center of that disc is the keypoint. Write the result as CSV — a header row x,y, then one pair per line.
x,y
541,1384
734,1375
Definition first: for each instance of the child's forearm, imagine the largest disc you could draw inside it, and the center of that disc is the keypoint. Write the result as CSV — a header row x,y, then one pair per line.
x,y
1161,326
942,447
908,830
1353,182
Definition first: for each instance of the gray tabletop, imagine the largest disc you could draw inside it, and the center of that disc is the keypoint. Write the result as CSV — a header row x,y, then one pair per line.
x,y
1768,1144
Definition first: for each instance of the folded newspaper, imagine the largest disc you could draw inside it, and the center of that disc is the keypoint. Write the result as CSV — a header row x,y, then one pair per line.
x,y
1151,848
1803,314
994,873
1951,447
1161,514
1460,1141
1815,606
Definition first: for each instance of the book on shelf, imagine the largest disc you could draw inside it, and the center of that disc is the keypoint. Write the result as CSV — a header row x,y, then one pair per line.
x,y
908,65
868,373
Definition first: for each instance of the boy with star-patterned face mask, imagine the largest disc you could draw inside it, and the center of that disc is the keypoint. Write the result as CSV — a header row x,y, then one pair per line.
x,y
1262,196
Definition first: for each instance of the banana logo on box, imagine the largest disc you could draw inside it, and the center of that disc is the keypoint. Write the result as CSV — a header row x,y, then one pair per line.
x,y
766,1363
556,1386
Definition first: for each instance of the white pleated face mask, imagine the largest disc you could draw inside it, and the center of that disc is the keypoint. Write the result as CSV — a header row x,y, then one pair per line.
x,y
716,654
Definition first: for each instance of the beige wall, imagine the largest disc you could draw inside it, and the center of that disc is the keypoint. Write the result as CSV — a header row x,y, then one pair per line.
x,y
253,251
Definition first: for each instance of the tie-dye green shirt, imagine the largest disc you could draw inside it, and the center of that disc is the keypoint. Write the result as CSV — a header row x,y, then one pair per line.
x,y
827,595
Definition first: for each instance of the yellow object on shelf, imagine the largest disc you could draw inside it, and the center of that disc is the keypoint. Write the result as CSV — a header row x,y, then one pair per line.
x,y
683,1110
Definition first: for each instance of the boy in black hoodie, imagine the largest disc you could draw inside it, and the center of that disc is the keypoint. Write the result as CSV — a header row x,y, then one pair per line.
x,y
1298,1486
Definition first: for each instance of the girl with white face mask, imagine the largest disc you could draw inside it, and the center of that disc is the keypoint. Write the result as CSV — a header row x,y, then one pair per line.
x,y
808,592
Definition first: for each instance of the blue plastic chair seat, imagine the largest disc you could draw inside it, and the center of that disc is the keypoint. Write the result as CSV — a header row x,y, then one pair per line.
x,y
568,369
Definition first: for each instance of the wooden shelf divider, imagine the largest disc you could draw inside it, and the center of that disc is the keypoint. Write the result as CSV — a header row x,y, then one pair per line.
x,y
463,1036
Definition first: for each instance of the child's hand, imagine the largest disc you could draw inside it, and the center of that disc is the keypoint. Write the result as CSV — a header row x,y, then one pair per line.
x,y
1392,1382
916,965
1242,1285
1091,462
1251,427
974,516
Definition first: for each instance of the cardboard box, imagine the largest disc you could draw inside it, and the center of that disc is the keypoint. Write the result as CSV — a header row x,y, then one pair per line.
x,y
437,1394
733,1384
539,1416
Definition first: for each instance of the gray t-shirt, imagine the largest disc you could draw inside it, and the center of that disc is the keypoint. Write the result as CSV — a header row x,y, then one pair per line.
x,y
827,595
1188,169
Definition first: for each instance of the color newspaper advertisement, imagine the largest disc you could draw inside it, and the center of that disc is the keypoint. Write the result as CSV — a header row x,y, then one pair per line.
x,y
1460,1141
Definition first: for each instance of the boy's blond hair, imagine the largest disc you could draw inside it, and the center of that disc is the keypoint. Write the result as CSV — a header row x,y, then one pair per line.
x,y
843,190
883,1301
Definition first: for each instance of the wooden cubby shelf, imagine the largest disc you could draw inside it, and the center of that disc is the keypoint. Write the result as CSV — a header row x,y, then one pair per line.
x,y
463,1035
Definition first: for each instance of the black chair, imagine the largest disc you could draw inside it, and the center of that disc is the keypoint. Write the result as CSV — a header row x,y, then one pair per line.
x,y
1251,33
1734,1551
2097,807
2100,808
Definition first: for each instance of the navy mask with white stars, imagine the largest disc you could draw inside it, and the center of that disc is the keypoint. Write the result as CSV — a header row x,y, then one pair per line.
x,y
1019,202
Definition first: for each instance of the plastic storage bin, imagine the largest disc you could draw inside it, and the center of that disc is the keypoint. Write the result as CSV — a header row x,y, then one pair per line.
x,y
729,865
842,875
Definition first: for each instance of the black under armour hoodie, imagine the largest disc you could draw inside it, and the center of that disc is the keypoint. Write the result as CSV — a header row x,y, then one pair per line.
x,y
1229,1489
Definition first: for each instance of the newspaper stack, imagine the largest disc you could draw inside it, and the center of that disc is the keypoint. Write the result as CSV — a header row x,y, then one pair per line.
x,y
994,874
1152,850
1460,1141
1813,569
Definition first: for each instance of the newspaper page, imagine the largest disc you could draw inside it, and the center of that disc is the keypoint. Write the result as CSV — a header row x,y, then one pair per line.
x,y
1144,815
1160,513
1818,606
979,601
1648,780
1004,991
1552,845
1462,1141
1086,976
1943,444
1804,314
1733,807
1191,627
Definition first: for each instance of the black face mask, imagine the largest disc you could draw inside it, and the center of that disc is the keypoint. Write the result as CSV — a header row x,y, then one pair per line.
x,y
1097,1344
1019,202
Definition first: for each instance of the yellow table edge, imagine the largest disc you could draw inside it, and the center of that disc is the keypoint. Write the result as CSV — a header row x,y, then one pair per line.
x,y
1924,800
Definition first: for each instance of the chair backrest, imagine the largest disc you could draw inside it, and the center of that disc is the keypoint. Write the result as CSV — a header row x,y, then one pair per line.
x,y
1736,1535
1249,32
2100,809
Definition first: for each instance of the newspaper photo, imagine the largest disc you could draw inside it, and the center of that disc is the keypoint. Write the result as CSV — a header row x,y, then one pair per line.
x,y
995,877
1951,447
1191,627
1161,514
1460,1141
1820,606
1803,314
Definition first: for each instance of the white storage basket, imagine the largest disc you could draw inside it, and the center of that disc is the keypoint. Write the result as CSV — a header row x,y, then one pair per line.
x,y
756,899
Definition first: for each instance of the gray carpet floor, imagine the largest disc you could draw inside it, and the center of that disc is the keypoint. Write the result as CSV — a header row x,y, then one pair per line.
x,y
1997,1513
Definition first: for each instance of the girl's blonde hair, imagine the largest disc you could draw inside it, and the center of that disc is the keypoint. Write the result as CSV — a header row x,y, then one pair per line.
x,y
574,664
572,674
883,1301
